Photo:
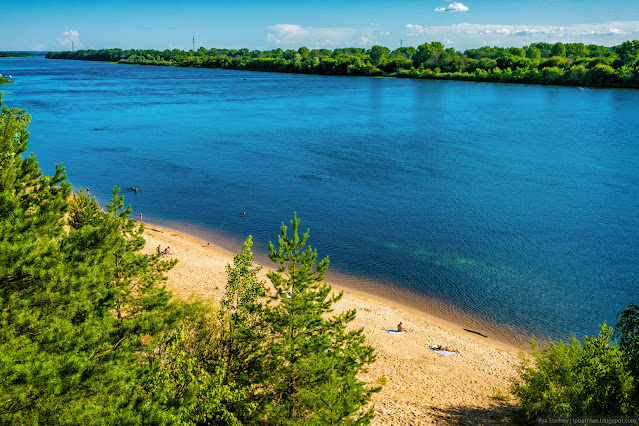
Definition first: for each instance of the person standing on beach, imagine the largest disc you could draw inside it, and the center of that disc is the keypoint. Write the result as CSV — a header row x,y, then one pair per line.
x,y
140,217
88,193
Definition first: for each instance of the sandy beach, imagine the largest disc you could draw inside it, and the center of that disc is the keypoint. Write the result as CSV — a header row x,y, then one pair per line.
x,y
421,387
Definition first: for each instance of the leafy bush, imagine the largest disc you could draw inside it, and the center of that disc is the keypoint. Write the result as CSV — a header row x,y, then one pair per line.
x,y
593,377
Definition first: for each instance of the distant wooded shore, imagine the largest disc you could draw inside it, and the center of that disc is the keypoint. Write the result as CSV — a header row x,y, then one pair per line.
x,y
571,64
6,54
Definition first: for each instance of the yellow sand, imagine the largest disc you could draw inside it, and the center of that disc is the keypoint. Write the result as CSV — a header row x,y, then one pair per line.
x,y
421,387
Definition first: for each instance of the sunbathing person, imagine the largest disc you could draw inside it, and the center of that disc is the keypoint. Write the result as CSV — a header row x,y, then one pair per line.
x,y
445,348
401,328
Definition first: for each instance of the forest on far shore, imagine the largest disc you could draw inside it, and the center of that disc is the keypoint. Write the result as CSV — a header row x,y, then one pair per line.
x,y
571,64
7,54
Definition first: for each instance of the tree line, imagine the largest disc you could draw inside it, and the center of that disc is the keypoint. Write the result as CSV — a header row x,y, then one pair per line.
x,y
572,64
8,54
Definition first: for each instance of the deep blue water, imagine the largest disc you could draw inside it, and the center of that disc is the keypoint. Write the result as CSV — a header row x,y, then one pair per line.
x,y
517,204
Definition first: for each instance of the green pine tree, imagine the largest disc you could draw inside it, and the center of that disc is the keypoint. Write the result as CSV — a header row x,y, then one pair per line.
x,y
311,360
76,298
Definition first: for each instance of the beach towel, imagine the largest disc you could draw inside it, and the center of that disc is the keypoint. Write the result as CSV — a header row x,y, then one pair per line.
x,y
434,348
396,332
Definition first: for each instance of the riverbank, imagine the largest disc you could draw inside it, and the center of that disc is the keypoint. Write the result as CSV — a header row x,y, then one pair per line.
x,y
601,67
422,387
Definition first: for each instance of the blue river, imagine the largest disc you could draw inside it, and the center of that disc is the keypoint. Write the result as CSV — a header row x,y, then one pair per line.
x,y
508,209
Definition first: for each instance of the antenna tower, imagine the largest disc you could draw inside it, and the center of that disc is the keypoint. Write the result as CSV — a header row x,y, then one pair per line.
x,y
193,43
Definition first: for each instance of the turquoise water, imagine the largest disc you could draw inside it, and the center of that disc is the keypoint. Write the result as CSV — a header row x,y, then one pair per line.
x,y
513,203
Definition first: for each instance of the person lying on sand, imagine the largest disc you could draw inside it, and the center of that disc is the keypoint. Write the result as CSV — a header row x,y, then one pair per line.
x,y
401,328
445,348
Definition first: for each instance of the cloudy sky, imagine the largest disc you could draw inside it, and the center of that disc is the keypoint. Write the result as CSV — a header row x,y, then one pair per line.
x,y
161,24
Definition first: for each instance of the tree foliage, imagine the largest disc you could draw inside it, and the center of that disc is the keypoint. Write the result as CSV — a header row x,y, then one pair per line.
x,y
628,335
594,377
188,394
242,331
558,49
83,313
9,54
430,61
311,358
88,334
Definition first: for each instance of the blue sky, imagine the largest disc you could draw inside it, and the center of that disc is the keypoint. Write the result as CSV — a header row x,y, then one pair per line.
x,y
161,24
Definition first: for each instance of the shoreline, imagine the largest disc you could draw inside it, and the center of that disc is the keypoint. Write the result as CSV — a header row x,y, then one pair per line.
x,y
445,315
419,386
532,75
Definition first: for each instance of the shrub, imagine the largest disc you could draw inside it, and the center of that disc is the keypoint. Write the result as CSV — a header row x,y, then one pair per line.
x,y
576,379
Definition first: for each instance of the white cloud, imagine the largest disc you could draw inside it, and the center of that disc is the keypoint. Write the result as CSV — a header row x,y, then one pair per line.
x,y
413,30
497,31
297,35
453,7
528,31
71,40
284,32
367,42
610,31
466,35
